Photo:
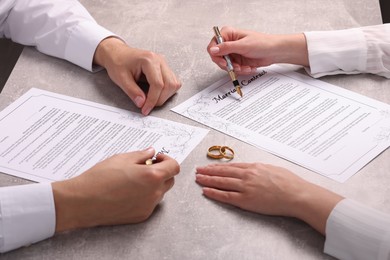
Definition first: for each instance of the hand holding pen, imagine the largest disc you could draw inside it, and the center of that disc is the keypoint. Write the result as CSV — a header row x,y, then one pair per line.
x,y
249,50
230,68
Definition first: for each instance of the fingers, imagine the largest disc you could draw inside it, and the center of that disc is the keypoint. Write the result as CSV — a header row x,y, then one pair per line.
x,y
234,46
166,166
231,44
226,48
125,65
132,90
224,170
229,197
121,64
140,157
237,165
171,84
220,183
152,70
162,81
215,56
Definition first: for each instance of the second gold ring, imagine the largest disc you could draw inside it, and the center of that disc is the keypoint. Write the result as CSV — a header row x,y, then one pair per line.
x,y
220,152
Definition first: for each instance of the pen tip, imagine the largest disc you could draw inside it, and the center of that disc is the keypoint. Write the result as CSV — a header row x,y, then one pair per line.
x,y
238,87
239,91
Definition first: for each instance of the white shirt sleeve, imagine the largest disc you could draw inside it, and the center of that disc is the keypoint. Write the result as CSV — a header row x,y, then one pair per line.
x,y
355,231
350,51
27,215
61,28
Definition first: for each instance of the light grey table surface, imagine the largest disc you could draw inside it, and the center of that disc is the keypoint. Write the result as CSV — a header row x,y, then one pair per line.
x,y
187,225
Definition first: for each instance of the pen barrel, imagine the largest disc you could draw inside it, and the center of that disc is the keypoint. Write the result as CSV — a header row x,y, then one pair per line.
x,y
219,39
232,75
229,63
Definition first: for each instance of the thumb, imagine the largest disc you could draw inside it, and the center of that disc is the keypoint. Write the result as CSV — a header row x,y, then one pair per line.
x,y
226,48
133,91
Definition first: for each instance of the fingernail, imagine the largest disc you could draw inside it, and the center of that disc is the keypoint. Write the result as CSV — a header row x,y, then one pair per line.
x,y
146,111
139,101
214,49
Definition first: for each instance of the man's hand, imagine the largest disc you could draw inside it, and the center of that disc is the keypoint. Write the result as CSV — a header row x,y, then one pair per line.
x,y
118,190
126,65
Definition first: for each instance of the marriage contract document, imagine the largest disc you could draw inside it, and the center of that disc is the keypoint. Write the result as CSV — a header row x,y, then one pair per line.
x,y
322,127
48,137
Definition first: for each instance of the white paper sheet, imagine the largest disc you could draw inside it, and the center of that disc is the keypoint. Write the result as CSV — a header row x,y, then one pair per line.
x,y
47,137
325,128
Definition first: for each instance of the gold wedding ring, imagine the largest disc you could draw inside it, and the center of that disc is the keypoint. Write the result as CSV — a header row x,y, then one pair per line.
x,y
227,152
220,152
215,155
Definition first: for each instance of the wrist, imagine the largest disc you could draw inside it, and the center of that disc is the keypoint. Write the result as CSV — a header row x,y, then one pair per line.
x,y
291,49
67,206
314,205
105,49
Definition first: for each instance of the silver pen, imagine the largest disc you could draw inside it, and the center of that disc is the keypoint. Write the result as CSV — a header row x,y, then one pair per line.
x,y
230,68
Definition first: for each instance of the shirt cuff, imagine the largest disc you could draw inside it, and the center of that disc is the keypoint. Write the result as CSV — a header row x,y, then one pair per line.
x,y
82,44
27,215
336,52
355,231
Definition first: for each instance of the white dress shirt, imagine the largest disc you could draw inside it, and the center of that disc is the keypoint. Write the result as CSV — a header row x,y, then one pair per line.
x,y
353,231
64,29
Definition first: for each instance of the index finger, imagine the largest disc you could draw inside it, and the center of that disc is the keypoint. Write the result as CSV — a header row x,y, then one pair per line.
x,y
212,43
171,83
156,84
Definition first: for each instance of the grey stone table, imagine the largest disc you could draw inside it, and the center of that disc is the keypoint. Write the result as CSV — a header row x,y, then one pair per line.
x,y
187,225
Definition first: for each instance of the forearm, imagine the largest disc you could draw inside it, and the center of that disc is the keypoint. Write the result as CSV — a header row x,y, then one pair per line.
x,y
78,203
